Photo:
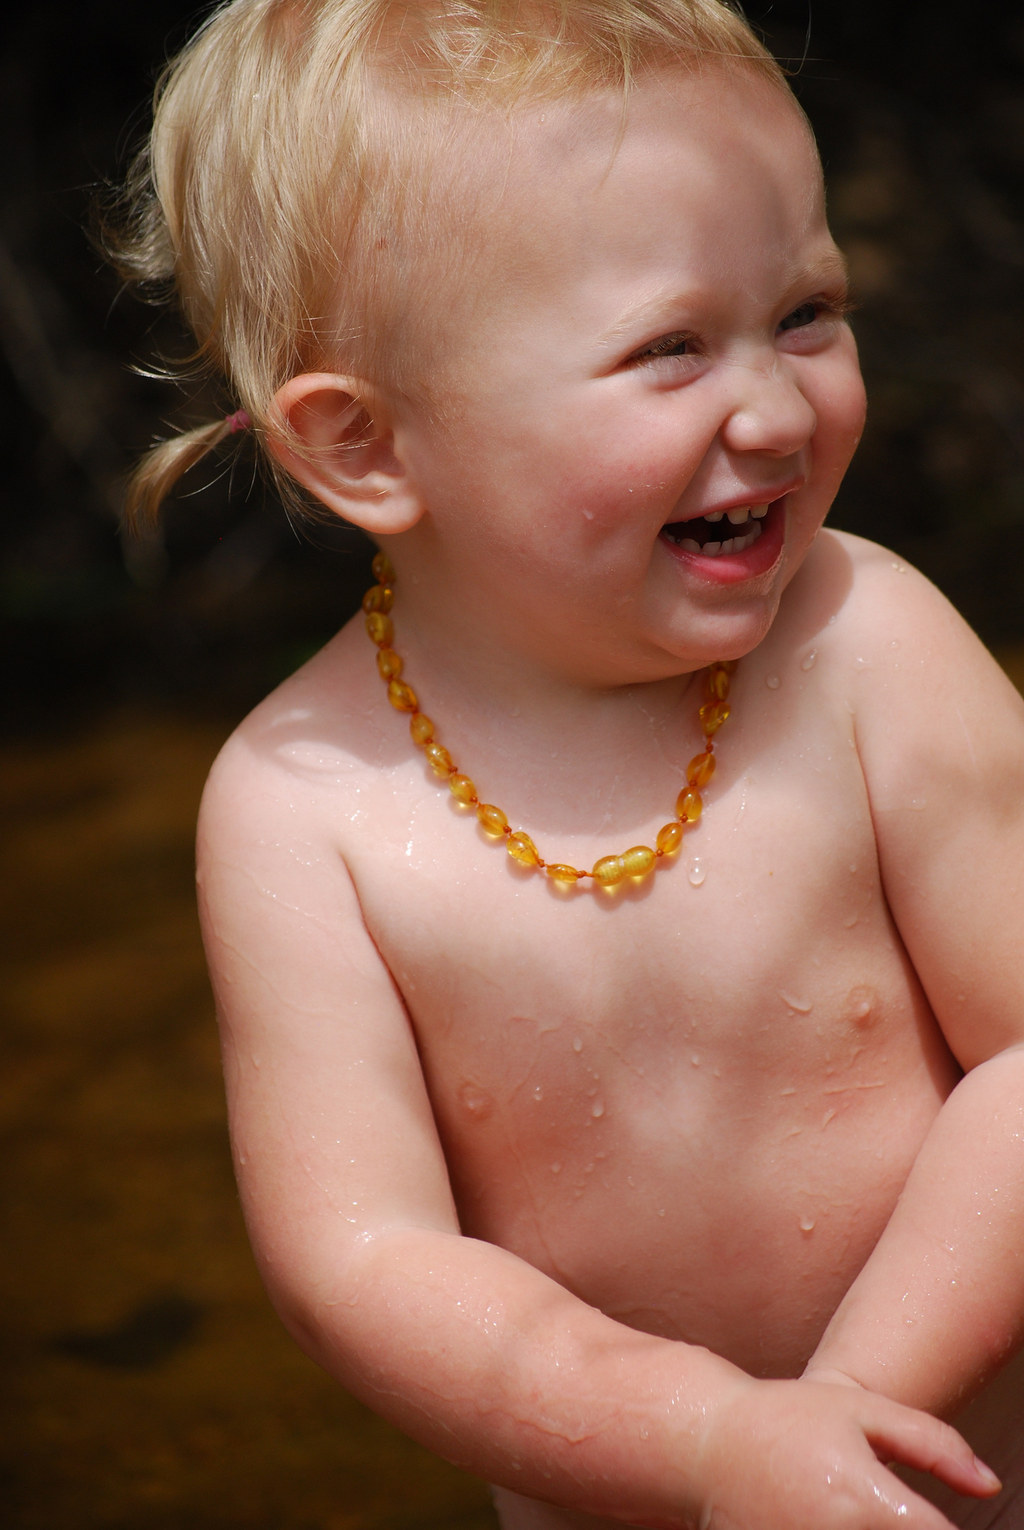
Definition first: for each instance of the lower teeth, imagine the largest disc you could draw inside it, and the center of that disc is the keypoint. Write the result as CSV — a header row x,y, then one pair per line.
x,y
716,549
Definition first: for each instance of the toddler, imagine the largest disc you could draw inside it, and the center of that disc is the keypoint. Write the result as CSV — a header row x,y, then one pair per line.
x,y
617,928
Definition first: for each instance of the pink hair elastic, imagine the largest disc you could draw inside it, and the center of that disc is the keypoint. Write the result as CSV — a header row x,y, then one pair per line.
x,y
237,422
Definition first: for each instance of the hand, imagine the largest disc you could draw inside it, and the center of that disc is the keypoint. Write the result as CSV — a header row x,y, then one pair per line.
x,y
811,1454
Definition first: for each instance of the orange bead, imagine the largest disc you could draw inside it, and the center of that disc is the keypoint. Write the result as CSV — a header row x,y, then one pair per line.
x,y
670,837
713,715
609,871
689,805
700,769
638,860
462,788
382,569
522,849
560,873
440,760
389,664
717,683
402,697
380,628
492,819
379,598
422,729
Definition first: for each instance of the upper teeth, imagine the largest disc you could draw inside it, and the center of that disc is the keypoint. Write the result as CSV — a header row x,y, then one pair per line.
x,y
740,516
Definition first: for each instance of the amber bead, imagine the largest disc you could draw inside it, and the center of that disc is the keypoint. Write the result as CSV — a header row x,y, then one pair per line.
x,y
462,787
717,684
689,805
402,697
713,715
380,628
382,569
522,849
492,818
389,663
440,759
380,598
638,860
561,873
670,837
609,871
422,729
700,769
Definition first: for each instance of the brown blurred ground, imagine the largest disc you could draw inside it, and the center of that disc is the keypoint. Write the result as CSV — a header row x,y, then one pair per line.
x,y
146,1384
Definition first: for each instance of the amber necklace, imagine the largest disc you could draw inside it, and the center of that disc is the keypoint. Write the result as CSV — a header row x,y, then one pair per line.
x,y
610,870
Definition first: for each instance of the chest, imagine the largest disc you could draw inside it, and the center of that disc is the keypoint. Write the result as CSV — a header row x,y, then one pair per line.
x,y
761,953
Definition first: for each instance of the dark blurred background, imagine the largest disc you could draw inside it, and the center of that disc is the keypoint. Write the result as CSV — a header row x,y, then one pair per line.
x,y
145,1382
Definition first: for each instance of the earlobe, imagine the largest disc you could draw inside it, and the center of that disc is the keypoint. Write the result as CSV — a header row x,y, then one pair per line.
x,y
334,436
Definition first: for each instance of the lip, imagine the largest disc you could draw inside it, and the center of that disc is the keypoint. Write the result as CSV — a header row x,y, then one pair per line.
x,y
732,568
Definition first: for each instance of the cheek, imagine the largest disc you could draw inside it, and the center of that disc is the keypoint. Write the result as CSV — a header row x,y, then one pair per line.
x,y
844,406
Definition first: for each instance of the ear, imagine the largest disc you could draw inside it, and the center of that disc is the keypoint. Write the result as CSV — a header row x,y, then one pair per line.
x,y
335,437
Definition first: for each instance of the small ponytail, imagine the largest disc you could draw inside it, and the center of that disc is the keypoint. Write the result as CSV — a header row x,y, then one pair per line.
x,y
160,469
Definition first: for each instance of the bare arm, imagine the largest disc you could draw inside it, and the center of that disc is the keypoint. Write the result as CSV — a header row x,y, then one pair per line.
x,y
940,1305
467,1347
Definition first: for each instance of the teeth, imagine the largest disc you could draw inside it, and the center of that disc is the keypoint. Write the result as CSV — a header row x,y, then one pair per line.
x,y
737,517
759,512
716,515
730,545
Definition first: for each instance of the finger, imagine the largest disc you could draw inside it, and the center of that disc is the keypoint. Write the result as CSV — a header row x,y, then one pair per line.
x,y
929,1445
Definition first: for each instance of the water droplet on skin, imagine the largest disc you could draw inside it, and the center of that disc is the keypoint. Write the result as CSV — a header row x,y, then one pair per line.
x,y
801,1006
901,568
538,1093
475,1101
556,1168
773,682
577,1044
860,1006
806,1224
809,660
695,1061
696,873
597,1109
645,1433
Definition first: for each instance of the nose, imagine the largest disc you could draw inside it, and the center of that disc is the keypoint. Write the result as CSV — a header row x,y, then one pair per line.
x,y
768,412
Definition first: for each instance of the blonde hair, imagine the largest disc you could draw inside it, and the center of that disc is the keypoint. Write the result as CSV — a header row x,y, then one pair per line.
x,y
281,195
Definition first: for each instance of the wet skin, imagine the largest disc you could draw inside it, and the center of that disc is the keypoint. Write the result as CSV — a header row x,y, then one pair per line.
x,y
501,1146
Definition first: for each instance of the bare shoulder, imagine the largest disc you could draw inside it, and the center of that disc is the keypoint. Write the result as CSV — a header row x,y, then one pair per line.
x,y
312,740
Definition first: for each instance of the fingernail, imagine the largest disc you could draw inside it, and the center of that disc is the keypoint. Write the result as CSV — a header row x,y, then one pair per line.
x,y
987,1475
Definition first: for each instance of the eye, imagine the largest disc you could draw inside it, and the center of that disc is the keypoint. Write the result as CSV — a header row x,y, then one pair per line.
x,y
802,316
814,309
672,347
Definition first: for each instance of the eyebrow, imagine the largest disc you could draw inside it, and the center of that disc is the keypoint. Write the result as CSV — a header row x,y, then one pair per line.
x,y
664,309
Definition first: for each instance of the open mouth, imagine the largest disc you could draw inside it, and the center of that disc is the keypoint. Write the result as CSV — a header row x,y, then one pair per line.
x,y
730,531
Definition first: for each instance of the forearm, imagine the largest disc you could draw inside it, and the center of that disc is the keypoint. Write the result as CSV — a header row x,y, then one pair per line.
x,y
499,1369
939,1306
